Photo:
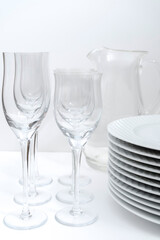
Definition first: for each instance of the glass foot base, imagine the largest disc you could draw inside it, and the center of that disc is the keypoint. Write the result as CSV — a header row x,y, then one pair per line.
x,y
67,180
14,221
67,196
66,217
42,197
40,181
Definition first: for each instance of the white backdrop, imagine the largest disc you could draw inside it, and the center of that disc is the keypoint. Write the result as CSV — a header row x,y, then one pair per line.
x,y
69,29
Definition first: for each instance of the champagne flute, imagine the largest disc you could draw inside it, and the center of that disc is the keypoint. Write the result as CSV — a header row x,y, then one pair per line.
x,y
77,109
40,180
35,197
24,96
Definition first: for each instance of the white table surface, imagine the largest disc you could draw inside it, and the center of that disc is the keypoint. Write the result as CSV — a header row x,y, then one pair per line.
x,y
114,221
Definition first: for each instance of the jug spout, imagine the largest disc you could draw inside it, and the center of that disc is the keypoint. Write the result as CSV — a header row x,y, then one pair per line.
x,y
95,56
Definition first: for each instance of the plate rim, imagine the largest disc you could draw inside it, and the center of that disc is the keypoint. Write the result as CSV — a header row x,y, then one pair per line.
x,y
134,149
138,199
138,212
137,186
132,169
132,177
119,128
136,204
129,188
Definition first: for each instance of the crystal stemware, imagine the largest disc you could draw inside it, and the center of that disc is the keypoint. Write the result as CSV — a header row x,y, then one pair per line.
x,y
40,180
67,195
36,196
77,108
67,180
24,96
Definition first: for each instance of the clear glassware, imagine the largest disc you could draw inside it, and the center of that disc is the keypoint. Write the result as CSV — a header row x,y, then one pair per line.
x,y
77,108
35,197
67,195
24,95
40,180
67,180
121,75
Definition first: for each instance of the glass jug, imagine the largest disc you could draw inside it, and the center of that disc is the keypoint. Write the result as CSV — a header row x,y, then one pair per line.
x,y
121,95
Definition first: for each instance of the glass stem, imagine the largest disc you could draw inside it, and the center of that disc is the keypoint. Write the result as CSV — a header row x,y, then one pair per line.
x,y
35,150
32,167
72,176
77,152
25,149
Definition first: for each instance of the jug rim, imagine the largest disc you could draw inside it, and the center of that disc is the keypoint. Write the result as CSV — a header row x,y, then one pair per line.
x,y
118,50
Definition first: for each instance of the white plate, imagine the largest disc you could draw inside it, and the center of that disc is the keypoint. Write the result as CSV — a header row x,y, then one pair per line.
x,y
151,162
133,148
141,131
134,203
134,183
133,176
134,191
123,163
135,198
148,216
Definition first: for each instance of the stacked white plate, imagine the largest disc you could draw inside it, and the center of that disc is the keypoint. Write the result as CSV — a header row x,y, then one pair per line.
x,y
134,165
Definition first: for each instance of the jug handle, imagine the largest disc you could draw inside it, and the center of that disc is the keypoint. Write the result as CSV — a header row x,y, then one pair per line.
x,y
154,107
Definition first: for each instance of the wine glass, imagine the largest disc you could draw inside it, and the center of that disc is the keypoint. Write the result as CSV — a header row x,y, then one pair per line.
x,y
24,96
66,180
35,197
40,180
77,109
67,195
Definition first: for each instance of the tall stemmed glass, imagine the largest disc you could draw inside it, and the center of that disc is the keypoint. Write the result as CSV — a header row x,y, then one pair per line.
x,y
24,96
67,180
36,196
40,180
67,195
77,108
